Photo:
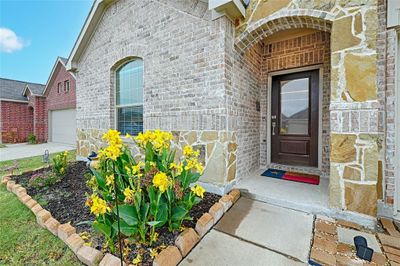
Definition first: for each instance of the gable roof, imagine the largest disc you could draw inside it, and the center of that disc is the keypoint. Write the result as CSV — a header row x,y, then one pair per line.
x,y
14,89
94,16
59,60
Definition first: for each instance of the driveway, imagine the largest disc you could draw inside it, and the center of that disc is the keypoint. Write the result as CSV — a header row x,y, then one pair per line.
x,y
23,150
256,233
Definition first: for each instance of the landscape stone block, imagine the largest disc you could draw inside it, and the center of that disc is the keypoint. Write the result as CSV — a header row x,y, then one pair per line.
x,y
89,256
226,202
186,241
65,230
168,257
204,224
216,211
42,216
74,242
52,225
235,194
111,260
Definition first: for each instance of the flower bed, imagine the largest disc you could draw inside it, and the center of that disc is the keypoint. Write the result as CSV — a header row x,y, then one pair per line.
x,y
162,212
65,203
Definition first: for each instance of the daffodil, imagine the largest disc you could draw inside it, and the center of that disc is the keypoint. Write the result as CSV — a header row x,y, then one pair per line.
x,y
161,181
198,191
177,167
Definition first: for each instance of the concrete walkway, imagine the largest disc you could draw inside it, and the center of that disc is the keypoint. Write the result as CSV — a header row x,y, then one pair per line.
x,y
23,150
256,233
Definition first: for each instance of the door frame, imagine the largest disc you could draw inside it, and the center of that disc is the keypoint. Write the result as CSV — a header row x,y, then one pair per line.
x,y
396,209
269,94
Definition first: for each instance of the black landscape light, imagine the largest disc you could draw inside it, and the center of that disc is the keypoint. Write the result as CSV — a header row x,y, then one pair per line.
x,y
363,251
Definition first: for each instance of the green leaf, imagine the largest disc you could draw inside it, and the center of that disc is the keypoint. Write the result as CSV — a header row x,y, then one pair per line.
x,y
126,229
153,223
128,214
99,178
194,177
162,214
102,229
178,213
149,153
144,210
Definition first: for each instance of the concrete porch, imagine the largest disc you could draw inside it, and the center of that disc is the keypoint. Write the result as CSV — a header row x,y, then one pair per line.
x,y
297,196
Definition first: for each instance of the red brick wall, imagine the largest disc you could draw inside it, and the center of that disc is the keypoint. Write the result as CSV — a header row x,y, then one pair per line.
x,y
39,117
17,118
63,100
297,52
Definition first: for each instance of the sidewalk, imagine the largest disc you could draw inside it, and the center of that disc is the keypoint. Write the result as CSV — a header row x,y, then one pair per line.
x,y
256,233
23,150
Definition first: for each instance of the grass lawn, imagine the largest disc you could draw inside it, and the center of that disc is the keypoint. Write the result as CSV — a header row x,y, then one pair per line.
x,y
22,240
30,163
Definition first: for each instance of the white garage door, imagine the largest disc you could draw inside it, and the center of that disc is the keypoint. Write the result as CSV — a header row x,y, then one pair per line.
x,y
63,126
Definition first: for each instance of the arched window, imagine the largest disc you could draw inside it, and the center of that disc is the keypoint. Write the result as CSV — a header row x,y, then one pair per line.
x,y
129,97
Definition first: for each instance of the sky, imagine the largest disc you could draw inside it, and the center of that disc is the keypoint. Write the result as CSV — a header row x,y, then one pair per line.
x,y
34,32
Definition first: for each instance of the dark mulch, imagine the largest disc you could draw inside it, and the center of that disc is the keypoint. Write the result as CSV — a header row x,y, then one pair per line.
x,y
66,202
66,199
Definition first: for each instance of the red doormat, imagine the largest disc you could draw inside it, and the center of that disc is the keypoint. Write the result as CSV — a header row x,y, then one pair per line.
x,y
292,176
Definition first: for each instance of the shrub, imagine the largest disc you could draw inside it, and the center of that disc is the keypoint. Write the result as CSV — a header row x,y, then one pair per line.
x,y
44,179
31,138
60,163
151,193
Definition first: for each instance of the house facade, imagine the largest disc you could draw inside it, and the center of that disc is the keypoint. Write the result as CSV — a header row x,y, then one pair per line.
x,y
304,86
46,111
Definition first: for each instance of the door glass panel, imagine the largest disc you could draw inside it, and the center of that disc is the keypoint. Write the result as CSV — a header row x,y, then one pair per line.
x,y
294,106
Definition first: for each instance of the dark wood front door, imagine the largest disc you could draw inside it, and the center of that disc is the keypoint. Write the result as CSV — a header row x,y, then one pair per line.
x,y
295,119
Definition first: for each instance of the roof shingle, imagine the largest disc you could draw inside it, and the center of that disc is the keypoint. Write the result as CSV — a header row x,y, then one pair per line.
x,y
13,89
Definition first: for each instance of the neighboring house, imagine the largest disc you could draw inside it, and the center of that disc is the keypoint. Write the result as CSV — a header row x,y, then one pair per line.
x,y
221,75
47,111
16,115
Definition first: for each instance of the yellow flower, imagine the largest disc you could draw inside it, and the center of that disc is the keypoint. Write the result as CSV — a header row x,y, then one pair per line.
x,y
158,139
98,206
161,181
110,180
92,183
128,193
128,136
137,260
187,151
198,191
153,253
177,167
62,170
95,164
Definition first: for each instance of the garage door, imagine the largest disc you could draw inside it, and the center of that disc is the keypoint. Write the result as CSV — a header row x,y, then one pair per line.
x,y
63,126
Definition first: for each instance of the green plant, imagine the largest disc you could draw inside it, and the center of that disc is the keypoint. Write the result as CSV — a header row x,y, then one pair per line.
x,y
31,138
151,193
43,179
60,163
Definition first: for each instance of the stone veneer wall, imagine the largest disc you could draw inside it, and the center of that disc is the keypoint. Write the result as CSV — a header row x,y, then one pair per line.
x,y
356,114
217,151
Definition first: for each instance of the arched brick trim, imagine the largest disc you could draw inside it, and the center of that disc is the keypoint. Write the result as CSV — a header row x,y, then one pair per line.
x,y
282,20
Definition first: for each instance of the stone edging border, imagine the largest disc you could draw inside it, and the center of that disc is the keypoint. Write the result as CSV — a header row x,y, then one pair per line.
x,y
169,256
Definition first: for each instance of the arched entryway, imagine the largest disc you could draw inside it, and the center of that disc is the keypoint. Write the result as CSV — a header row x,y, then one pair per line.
x,y
288,47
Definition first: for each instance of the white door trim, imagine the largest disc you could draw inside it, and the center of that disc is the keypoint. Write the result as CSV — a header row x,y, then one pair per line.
x,y
269,90
397,129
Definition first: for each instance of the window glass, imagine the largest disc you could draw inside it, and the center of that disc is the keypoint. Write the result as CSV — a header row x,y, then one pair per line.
x,y
294,106
66,86
129,97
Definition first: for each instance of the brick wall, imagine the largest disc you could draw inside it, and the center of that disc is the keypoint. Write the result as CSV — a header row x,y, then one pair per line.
x,y
302,51
62,100
16,118
182,51
38,103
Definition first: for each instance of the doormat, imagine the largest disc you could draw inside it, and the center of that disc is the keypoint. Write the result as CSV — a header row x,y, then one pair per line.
x,y
292,176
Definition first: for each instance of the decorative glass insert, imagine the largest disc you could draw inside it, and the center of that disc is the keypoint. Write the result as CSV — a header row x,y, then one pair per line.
x,y
129,97
294,107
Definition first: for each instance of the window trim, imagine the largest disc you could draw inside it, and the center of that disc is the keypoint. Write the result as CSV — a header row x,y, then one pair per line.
x,y
116,106
59,87
65,87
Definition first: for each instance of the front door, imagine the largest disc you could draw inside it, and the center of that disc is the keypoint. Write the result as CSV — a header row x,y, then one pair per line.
x,y
295,119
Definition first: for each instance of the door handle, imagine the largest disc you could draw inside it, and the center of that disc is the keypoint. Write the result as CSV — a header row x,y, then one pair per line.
x,y
273,128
